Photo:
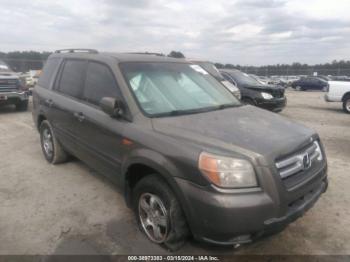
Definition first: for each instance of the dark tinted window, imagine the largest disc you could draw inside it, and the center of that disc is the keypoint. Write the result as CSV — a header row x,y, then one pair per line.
x,y
71,82
99,83
48,72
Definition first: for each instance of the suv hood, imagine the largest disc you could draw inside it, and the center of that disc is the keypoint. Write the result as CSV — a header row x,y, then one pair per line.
x,y
263,87
244,130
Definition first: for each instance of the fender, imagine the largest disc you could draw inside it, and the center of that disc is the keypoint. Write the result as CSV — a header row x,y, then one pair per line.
x,y
163,166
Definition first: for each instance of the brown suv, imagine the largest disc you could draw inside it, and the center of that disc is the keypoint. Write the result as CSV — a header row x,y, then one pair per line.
x,y
189,156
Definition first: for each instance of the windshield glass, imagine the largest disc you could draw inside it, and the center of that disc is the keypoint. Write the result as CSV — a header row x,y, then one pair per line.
x,y
243,79
169,88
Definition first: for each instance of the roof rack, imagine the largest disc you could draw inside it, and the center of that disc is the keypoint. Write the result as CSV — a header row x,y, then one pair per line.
x,y
77,50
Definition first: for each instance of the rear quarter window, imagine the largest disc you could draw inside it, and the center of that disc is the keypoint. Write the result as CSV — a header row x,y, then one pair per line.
x,y
49,72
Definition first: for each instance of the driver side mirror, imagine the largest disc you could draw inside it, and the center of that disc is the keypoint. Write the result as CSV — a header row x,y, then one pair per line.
x,y
112,106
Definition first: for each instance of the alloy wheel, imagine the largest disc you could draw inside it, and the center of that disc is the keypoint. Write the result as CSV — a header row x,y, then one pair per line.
x,y
153,217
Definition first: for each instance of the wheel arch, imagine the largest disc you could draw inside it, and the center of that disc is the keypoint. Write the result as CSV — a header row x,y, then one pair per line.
x,y
151,162
346,95
40,118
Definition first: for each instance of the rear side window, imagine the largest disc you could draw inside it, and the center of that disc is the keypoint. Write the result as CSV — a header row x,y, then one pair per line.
x,y
72,78
49,72
99,83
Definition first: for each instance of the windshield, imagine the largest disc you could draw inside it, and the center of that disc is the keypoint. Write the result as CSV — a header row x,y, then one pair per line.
x,y
243,79
175,88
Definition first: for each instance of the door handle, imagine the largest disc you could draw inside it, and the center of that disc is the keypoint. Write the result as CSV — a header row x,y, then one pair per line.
x,y
80,116
49,102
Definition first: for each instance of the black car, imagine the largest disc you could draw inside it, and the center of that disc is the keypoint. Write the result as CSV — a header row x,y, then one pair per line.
x,y
310,83
254,92
187,155
213,71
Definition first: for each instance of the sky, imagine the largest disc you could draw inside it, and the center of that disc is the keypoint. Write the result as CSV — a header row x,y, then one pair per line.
x,y
246,32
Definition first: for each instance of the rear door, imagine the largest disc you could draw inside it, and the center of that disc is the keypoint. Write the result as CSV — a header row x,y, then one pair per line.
x,y
42,94
66,100
100,136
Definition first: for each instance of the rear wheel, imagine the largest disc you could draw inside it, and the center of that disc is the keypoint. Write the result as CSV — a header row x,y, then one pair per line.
x,y
298,88
346,104
158,213
50,146
22,105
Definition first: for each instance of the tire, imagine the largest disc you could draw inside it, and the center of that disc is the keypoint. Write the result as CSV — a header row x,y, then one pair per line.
x,y
299,88
249,101
52,149
166,212
346,104
22,106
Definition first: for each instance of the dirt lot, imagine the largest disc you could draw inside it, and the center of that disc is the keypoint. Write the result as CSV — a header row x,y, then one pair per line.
x,y
69,209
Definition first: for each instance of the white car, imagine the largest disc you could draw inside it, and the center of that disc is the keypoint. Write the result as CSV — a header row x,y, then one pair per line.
x,y
339,91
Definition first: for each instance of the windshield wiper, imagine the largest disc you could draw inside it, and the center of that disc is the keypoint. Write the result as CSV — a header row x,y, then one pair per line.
x,y
186,111
195,111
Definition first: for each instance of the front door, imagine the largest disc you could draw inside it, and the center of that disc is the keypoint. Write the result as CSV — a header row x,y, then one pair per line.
x,y
100,135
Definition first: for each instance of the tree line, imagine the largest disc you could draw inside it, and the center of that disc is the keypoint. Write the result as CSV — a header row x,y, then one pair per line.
x,y
22,61
335,68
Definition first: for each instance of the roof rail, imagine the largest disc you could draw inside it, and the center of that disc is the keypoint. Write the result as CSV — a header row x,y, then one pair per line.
x,y
146,53
77,50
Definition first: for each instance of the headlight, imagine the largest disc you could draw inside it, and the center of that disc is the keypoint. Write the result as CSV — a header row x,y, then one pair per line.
x,y
319,151
227,172
266,95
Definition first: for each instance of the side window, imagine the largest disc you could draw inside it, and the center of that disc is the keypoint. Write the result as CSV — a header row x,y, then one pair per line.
x,y
72,77
49,72
99,83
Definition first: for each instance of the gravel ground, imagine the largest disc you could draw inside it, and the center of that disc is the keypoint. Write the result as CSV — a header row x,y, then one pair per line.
x,y
69,209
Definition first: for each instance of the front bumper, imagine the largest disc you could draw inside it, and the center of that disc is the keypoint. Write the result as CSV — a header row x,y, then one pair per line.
x,y
13,97
275,104
245,215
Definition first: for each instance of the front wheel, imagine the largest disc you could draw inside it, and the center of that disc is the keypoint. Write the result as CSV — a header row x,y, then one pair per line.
x,y
298,88
158,213
346,105
249,101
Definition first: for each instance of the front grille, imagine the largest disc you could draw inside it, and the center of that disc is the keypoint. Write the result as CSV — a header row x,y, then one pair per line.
x,y
300,161
8,85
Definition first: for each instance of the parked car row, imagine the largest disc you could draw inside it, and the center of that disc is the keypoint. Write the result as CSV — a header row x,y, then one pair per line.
x,y
190,158
310,83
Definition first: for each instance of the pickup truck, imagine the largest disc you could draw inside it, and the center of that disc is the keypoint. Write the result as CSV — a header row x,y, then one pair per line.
x,y
339,91
12,91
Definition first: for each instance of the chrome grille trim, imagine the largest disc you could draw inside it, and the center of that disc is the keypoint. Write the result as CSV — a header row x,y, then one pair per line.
x,y
294,164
